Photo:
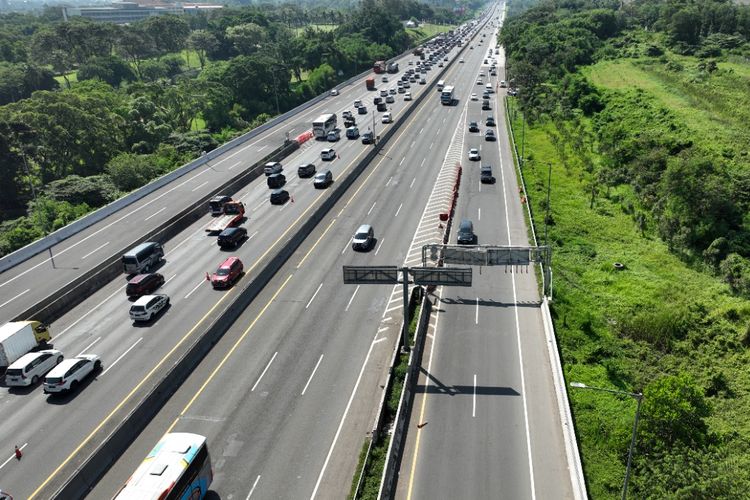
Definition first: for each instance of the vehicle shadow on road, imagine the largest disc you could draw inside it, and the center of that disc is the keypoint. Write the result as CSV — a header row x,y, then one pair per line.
x,y
489,302
439,387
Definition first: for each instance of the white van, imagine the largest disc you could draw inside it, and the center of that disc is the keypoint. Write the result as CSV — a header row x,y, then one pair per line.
x,y
30,368
440,85
142,257
488,88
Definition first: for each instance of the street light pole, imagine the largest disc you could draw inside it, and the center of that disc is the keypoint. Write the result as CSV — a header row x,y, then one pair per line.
x,y
639,398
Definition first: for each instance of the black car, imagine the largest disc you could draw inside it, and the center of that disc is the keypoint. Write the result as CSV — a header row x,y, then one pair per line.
x,y
367,138
486,105
362,110
323,179
307,170
486,176
231,237
489,135
490,122
466,234
473,127
279,197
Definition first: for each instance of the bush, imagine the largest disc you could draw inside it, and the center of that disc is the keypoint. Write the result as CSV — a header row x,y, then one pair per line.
x,y
95,191
129,171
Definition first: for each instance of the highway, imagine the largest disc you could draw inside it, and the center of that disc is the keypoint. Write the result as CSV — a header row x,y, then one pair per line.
x,y
31,281
484,422
288,394
55,431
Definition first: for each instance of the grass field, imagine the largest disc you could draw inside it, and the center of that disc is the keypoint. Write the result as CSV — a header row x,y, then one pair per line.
x,y
715,106
592,299
427,30
319,27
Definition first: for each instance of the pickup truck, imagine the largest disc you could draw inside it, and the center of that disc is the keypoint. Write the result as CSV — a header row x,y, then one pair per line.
x,y
234,214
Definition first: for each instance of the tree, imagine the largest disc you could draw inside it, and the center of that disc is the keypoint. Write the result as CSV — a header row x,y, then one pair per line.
x,y
321,78
168,33
94,191
112,70
202,42
19,81
135,44
130,171
674,412
247,37
45,50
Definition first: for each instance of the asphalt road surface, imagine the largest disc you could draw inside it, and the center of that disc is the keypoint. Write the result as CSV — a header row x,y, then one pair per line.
x,y
484,424
314,321
287,396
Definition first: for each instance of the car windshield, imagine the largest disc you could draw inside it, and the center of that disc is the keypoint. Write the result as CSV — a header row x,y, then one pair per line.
x,y
222,271
360,236
129,259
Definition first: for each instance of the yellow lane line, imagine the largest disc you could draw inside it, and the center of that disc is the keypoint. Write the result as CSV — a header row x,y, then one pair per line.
x,y
228,354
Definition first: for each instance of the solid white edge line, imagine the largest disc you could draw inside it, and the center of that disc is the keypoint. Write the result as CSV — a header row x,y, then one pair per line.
x,y
314,295
312,375
121,356
264,371
518,334
343,419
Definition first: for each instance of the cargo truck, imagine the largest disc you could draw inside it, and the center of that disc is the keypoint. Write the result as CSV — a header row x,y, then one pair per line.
x,y
19,337
379,67
234,213
370,83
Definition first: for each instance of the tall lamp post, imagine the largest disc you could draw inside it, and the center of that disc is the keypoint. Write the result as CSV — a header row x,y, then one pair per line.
x,y
639,398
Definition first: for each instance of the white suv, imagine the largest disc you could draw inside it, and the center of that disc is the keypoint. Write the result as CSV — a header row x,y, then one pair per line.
x,y
67,375
29,368
148,306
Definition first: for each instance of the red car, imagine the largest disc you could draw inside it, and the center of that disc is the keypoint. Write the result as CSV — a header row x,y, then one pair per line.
x,y
228,272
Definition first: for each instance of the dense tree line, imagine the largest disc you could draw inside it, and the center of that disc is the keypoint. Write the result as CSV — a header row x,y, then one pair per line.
x,y
128,107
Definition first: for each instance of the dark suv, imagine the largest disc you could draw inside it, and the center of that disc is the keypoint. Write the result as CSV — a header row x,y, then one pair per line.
x,y
231,237
306,170
143,284
486,176
473,127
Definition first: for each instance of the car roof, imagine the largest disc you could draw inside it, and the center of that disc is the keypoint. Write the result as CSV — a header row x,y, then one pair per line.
x,y
63,366
28,357
138,278
143,300
228,262
364,228
231,230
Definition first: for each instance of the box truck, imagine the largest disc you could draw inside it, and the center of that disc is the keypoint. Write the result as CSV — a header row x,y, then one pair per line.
x,y
19,337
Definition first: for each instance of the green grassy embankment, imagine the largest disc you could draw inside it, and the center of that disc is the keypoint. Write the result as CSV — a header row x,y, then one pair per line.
x,y
704,328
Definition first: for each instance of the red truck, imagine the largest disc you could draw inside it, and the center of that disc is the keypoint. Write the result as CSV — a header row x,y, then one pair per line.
x,y
233,214
370,83
379,67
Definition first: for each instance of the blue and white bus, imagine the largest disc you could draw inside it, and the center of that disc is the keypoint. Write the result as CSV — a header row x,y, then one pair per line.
x,y
324,124
179,468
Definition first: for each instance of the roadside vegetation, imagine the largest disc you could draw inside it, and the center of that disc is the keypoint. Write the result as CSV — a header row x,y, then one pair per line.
x,y
642,113
89,111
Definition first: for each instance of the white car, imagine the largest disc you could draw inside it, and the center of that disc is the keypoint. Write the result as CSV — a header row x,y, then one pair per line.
x,y
384,79
29,368
480,82
407,96
474,154
148,306
357,103
461,60
389,99
387,118
334,92
328,154
67,375
474,97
